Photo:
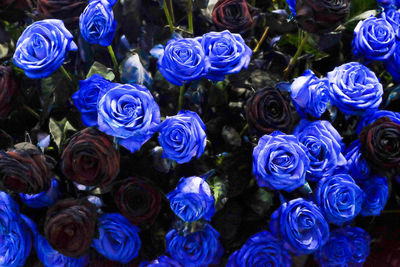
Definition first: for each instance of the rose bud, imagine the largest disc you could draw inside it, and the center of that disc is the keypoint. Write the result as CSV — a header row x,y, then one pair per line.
x,y
233,15
381,145
138,201
24,169
267,110
70,226
8,89
90,158
320,16
66,10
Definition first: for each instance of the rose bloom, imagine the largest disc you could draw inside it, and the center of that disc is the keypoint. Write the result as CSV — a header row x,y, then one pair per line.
x,y
233,15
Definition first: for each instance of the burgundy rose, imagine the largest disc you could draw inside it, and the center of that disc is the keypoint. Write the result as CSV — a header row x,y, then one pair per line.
x,y
268,110
90,158
319,16
66,10
8,89
232,15
24,169
381,145
70,226
138,201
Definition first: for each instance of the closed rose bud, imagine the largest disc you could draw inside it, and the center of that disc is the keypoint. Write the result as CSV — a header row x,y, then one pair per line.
x,y
267,110
319,16
8,89
70,226
90,158
381,145
138,201
233,15
24,169
66,10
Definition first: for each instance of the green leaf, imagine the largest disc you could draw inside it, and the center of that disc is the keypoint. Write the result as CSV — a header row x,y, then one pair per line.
x,y
360,6
261,201
98,68
311,47
59,130
56,130
3,50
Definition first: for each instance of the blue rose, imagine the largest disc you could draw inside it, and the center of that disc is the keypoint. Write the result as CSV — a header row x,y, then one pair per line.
x,y
182,61
130,113
118,239
324,145
162,261
280,162
337,250
15,237
359,242
97,23
192,199
43,47
387,4
50,257
372,115
354,88
392,64
43,199
393,17
376,191
310,94
292,6
301,225
85,99
356,166
374,39
226,53
200,248
182,136
262,249
339,198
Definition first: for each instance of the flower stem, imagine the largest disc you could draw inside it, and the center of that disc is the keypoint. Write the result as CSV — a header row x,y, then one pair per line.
x,y
171,8
242,132
296,56
169,19
31,111
261,40
190,16
113,58
181,95
66,73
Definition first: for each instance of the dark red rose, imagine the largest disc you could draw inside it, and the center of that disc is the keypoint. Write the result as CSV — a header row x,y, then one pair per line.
x,y
70,226
319,16
66,10
8,89
90,158
268,110
15,4
24,170
138,201
381,145
232,15
14,10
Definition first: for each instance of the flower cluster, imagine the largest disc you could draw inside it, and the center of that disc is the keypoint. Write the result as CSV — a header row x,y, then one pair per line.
x,y
212,56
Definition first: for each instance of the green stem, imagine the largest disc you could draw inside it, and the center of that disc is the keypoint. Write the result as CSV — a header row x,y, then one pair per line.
x,y
31,111
261,40
171,8
113,58
190,15
244,129
169,19
66,73
181,95
297,55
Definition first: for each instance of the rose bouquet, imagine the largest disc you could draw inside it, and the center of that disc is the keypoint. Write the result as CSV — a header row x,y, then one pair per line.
x,y
199,133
